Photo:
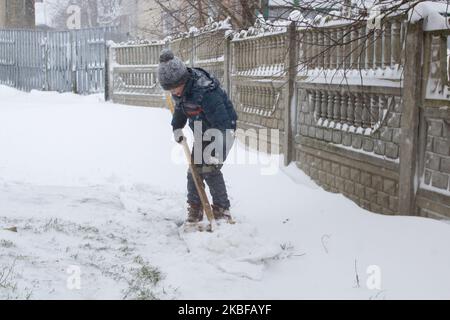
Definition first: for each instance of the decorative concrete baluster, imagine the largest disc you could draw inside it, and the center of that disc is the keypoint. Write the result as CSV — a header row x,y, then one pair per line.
x,y
318,105
313,95
365,117
258,54
331,49
337,107
358,110
261,55
330,106
307,48
347,48
244,55
323,108
329,109
241,51
140,55
237,53
387,45
382,103
260,99
300,48
362,46
344,106
315,49
243,96
326,50
378,48
340,49
257,97
395,43
351,109
374,109
320,48
148,55
403,31
234,57
370,43
248,99
280,48
153,54
354,44
273,51
130,56
248,93
249,65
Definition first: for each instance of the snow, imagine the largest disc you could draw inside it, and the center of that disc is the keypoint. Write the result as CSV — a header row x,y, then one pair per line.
x,y
386,77
435,15
100,188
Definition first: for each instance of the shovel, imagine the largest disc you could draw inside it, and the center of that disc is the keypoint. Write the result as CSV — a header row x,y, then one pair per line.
x,y
195,175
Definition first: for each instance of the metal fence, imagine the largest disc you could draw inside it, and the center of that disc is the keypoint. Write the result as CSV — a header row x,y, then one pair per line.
x,y
70,60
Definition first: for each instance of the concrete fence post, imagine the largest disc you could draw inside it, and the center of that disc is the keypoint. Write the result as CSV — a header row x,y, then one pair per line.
x,y
227,60
412,97
291,74
107,63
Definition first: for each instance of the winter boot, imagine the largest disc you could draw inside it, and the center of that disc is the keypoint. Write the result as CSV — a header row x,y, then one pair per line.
x,y
195,213
221,214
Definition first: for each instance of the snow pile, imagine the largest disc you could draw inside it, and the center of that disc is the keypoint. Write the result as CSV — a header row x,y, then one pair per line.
x,y
235,249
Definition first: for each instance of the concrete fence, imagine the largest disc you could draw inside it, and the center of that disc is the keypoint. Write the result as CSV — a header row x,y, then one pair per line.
x,y
364,112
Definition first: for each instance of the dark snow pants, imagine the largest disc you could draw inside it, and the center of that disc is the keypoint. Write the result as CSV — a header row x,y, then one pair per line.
x,y
213,176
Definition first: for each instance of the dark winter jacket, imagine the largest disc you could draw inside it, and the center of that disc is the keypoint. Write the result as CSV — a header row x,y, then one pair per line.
x,y
204,100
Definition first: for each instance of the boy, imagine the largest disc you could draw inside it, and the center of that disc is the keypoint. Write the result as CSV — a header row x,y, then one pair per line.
x,y
200,99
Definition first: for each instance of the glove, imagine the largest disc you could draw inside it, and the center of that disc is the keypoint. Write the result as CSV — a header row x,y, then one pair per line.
x,y
212,161
178,136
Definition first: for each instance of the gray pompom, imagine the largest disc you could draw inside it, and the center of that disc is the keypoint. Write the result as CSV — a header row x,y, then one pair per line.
x,y
166,55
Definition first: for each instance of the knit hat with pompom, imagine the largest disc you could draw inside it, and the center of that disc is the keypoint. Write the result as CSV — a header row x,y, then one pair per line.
x,y
172,72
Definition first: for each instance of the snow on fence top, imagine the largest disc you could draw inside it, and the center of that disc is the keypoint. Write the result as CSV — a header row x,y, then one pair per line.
x,y
135,43
262,28
435,15
211,26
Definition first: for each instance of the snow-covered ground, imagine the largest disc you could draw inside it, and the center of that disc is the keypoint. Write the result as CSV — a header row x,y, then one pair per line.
x,y
97,190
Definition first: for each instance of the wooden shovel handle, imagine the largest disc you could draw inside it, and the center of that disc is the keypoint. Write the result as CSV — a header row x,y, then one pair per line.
x,y
195,175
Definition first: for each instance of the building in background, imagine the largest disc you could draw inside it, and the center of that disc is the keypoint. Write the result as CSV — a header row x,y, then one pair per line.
x,y
75,14
148,20
17,14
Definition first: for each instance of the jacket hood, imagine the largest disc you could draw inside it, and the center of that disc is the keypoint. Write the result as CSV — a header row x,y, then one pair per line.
x,y
202,80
